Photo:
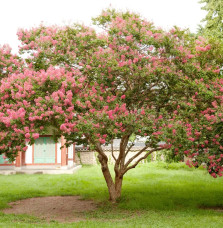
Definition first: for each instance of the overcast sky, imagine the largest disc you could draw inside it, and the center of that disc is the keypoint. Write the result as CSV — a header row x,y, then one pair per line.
x,y
30,13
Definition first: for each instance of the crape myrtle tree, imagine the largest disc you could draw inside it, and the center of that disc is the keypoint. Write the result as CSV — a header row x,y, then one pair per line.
x,y
201,140
93,87
9,63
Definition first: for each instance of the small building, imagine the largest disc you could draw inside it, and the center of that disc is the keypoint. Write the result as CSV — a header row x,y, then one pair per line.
x,y
44,154
47,156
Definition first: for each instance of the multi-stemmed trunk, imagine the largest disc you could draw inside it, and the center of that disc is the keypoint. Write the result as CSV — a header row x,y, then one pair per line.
x,y
121,165
114,186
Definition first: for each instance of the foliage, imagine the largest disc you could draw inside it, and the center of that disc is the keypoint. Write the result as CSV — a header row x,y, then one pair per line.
x,y
205,132
172,165
214,18
131,79
170,157
9,63
201,139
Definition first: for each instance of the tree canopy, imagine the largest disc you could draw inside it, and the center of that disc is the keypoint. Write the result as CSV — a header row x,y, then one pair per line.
x,y
93,87
9,63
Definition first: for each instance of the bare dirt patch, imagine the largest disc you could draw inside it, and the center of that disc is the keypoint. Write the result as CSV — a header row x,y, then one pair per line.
x,y
59,208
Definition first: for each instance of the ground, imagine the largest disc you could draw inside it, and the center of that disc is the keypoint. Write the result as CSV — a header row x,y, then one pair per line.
x,y
154,195
58,208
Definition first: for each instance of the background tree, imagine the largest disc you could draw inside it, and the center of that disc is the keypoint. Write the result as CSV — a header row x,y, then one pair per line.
x,y
213,20
92,88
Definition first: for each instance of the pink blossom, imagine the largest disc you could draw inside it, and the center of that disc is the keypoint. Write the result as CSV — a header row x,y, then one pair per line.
x,y
102,141
142,112
27,135
63,127
35,135
129,38
25,148
191,139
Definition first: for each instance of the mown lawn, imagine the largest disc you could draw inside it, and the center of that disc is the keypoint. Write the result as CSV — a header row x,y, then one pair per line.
x,y
153,196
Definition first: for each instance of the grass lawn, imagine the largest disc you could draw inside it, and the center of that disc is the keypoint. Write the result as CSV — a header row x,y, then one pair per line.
x,y
154,195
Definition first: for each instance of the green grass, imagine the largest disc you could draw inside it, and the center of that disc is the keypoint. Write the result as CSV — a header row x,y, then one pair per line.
x,y
154,195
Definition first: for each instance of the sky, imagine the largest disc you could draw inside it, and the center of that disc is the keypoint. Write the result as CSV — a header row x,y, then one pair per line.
x,y
17,14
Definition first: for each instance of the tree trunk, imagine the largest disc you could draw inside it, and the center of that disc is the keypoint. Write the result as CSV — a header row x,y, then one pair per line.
x,y
114,189
118,185
110,184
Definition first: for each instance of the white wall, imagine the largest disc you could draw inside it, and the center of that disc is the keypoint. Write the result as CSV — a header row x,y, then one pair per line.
x,y
28,155
59,151
70,152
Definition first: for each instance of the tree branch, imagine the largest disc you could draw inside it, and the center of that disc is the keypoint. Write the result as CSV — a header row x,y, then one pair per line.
x,y
112,149
129,148
101,152
135,156
121,158
123,145
140,159
98,148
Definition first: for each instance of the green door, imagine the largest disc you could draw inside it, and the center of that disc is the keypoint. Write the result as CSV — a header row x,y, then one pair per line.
x,y
2,160
44,150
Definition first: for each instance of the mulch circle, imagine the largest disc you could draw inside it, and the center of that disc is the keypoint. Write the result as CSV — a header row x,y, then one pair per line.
x,y
59,208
